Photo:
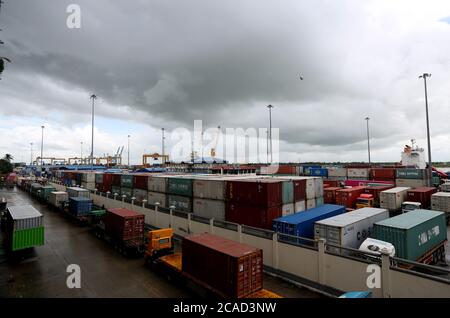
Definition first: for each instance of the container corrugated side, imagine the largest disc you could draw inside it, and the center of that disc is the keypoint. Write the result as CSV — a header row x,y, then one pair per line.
x,y
211,209
157,183
408,173
180,186
22,239
181,203
413,234
157,197
441,202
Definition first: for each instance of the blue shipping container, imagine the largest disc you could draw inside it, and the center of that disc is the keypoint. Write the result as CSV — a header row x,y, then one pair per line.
x,y
318,172
79,206
307,169
302,224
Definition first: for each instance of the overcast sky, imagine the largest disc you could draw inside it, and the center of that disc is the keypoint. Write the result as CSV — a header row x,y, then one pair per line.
x,y
167,63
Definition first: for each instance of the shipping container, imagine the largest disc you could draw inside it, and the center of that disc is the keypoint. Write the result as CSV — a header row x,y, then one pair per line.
x,y
441,202
140,195
375,192
300,206
307,169
337,172
331,183
358,173
116,179
157,197
211,209
411,183
287,188
57,198
310,189
287,209
318,185
88,177
445,187
140,181
116,191
278,169
422,195
299,184
88,185
128,192
24,228
80,206
45,192
231,269
411,173
157,183
251,215
329,195
180,202
126,180
213,189
347,197
262,192
302,224
321,172
349,229
179,186
310,204
319,201
125,225
99,177
383,173
392,199
78,192
413,234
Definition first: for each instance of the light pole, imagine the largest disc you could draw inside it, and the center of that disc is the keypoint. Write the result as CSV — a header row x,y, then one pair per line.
x,y
430,167
81,153
270,131
267,147
93,97
129,150
42,145
31,158
162,146
368,137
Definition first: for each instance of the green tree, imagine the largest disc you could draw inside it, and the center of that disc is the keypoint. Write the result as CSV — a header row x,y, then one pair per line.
x,y
8,157
5,166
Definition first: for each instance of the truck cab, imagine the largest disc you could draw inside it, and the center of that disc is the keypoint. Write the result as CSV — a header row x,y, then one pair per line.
x,y
364,201
410,206
160,242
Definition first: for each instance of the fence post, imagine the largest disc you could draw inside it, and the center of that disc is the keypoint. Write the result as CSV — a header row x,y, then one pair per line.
x,y
239,230
156,213
189,223
211,226
321,260
171,215
275,250
385,274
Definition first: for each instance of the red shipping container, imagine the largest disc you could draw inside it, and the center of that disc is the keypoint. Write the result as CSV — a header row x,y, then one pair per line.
x,y
116,178
262,192
255,216
141,181
231,269
125,225
383,173
422,195
375,191
347,197
299,190
329,195
332,183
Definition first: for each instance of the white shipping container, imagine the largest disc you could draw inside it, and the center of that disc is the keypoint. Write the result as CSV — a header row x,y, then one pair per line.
x,y
157,183
445,187
392,199
441,202
310,204
88,177
211,209
140,195
25,217
358,173
310,188
349,229
210,188
288,209
88,185
300,206
337,172
77,192
412,183
154,197
319,201
318,184
56,198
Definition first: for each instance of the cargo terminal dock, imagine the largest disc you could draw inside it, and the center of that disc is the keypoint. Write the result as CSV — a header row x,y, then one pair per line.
x,y
317,230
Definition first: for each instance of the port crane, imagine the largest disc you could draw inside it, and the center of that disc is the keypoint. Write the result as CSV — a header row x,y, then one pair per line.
x,y
155,156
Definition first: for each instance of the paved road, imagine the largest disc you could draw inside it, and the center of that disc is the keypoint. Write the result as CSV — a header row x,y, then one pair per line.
x,y
104,273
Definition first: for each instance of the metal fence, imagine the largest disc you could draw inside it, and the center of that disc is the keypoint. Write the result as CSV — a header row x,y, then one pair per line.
x,y
351,253
439,273
199,219
180,214
266,234
297,241
226,225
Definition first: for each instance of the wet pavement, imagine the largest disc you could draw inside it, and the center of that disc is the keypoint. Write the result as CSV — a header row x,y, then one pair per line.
x,y
41,271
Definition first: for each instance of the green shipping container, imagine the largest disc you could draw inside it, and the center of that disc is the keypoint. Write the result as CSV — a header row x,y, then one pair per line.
x,y
413,234
180,203
45,192
22,239
288,192
126,191
126,181
179,186
411,173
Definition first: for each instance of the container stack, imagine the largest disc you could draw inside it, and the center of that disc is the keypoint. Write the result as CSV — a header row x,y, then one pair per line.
x,y
358,173
375,192
116,181
329,195
347,197
392,199
99,182
157,185
383,174
140,190
413,178
180,192
337,174
35,188
88,180
24,228
209,197
126,185
231,269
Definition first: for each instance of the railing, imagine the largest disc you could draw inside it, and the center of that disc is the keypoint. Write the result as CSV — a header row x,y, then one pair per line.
x,y
226,225
438,273
297,241
351,253
199,219
266,234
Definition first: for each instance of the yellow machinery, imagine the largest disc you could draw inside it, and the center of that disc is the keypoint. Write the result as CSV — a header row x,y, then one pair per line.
x,y
155,156
160,242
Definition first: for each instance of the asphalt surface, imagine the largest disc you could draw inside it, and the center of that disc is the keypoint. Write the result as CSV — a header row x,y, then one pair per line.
x,y
41,271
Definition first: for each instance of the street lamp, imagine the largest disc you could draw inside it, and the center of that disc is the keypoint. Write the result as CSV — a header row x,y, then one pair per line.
x,y
42,145
93,97
270,131
368,137
81,154
31,161
129,150
430,168
162,147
